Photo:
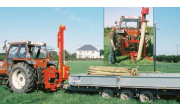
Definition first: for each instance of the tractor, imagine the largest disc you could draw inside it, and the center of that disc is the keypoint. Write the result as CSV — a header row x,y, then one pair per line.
x,y
128,34
28,66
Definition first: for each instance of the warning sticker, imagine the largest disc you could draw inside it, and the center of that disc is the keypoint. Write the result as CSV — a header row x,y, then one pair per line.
x,y
77,79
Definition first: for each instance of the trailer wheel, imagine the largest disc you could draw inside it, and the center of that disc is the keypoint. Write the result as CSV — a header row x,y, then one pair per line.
x,y
107,93
146,96
21,78
126,94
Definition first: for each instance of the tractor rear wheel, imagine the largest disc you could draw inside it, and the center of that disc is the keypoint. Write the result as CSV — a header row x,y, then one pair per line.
x,y
148,40
117,44
22,78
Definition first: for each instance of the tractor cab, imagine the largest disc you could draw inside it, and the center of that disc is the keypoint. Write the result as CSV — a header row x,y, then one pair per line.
x,y
129,25
30,52
27,49
130,22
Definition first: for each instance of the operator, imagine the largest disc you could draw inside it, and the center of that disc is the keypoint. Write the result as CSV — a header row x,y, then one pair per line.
x,y
112,47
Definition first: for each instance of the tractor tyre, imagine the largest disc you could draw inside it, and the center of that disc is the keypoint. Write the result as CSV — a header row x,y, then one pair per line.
x,y
148,40
22,78
117,45
118,38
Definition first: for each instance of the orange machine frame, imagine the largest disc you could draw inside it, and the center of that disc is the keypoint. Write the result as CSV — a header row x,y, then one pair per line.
x,y
63,71
134,32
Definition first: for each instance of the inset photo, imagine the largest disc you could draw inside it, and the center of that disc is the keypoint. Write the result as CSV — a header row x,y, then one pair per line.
x,y
128,36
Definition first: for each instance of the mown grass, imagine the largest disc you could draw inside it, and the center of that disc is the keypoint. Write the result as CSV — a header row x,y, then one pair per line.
x,y
126,60
66,97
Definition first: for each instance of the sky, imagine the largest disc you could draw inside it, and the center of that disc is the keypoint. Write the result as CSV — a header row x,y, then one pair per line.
x,y
167,34
83,25
112,14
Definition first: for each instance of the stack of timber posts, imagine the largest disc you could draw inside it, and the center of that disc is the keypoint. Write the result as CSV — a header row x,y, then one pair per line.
x,y
112,71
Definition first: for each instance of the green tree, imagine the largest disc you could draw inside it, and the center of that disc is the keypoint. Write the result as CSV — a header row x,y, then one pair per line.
x,y
67,55
53,53
101,52
107,30
73,55
150,30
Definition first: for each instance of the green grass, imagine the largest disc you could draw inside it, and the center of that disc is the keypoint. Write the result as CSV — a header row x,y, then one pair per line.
x,y
126,60
65,97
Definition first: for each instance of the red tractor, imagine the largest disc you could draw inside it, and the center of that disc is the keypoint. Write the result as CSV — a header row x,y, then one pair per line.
x,y
28,65
128,34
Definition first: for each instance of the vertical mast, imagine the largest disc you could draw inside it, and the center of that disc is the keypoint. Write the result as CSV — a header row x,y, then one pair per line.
x,y
144,12
60,45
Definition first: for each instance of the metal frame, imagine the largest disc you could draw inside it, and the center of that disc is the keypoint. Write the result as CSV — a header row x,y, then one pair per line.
x,y
125,43
133,53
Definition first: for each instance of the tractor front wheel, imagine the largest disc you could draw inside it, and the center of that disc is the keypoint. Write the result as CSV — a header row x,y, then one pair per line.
x,y
22,78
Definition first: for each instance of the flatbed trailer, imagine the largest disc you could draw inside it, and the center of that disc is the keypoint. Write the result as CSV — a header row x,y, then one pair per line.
x,y
146,86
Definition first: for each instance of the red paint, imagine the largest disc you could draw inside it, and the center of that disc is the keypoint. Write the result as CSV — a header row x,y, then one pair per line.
x,y
144,12
63,72
127,44
134,32
133,54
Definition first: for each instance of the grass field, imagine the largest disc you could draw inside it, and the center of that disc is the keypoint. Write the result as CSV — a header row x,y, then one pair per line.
x,y
65,97
126,60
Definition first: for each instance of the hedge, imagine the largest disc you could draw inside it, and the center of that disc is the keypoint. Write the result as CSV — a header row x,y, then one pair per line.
x,y
168,58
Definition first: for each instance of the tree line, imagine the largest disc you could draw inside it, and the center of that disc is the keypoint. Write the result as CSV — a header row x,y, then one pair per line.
x,y
159,58
168,58
54,55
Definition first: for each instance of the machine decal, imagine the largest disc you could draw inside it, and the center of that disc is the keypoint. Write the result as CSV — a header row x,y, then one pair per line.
x,y
76,79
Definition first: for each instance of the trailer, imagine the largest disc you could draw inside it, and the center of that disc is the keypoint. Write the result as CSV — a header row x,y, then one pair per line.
x,y
146,86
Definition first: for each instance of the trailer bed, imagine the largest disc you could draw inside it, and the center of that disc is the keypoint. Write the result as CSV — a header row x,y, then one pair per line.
x,y
144,80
